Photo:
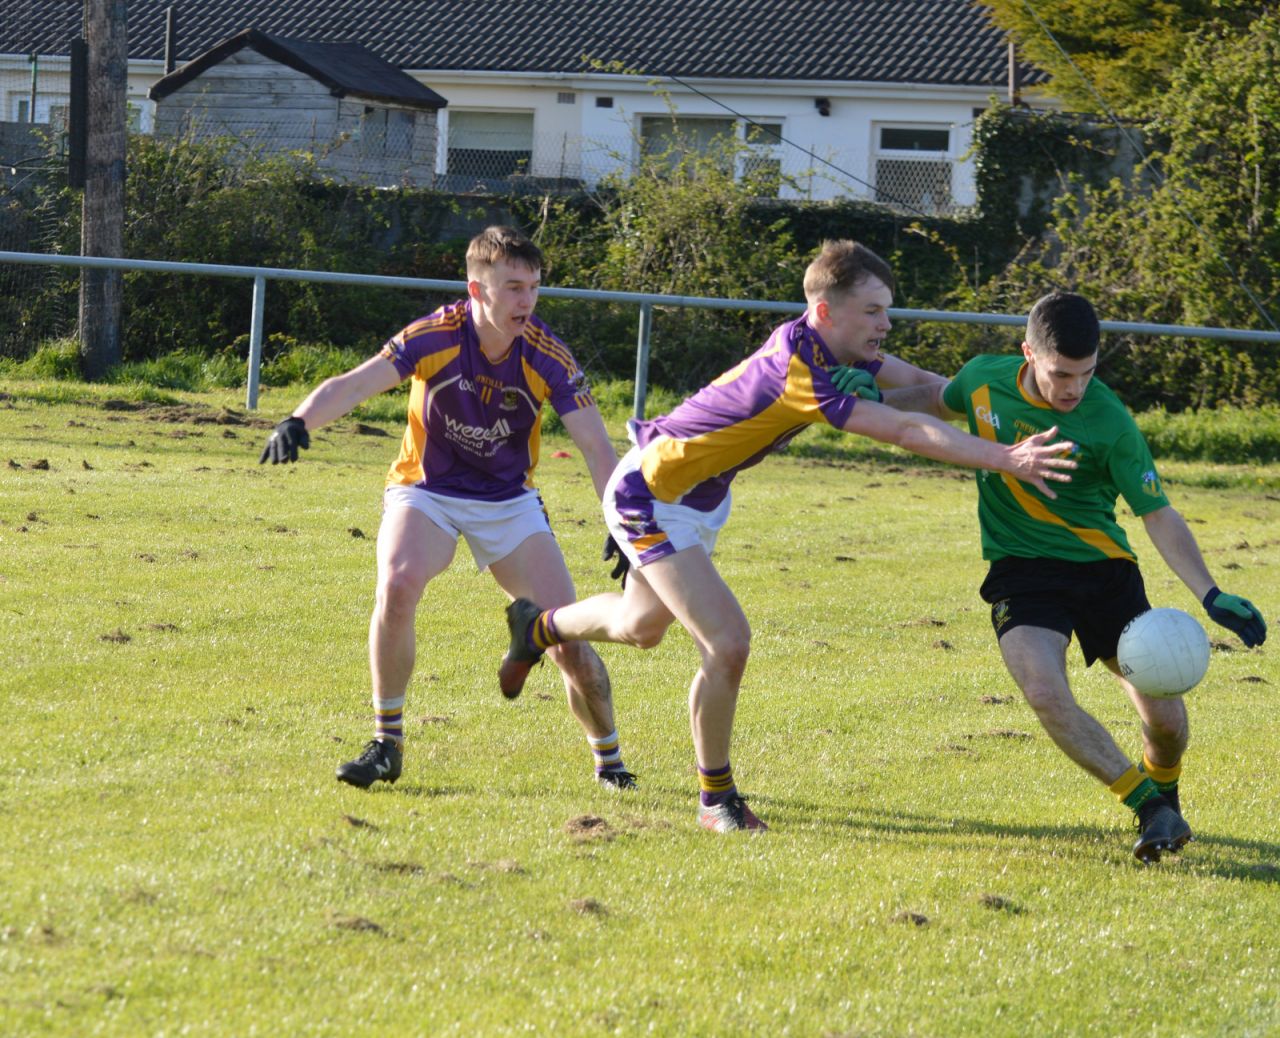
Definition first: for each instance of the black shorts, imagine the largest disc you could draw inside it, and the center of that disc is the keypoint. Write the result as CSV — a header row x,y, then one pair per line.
x,y
1092,599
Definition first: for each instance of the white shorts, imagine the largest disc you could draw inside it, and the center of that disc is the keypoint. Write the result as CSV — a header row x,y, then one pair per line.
x,y
648,529
493,529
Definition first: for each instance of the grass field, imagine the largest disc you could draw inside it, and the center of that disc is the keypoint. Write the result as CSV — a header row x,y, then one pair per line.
x,y
182,638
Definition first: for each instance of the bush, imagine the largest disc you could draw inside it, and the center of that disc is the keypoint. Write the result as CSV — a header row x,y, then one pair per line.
x,y
1225,434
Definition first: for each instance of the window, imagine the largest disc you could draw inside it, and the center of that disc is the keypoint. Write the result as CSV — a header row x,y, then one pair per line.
x,y
674,140
753,146
762,163
50,108
489,144
913,167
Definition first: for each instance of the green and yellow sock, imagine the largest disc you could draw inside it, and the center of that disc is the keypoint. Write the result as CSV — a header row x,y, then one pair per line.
x,y
1133,789
1166,779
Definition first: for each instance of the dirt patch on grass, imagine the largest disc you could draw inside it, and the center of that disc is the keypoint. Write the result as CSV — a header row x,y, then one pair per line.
x,y
586,828
997,903
507,866
357,923
186,414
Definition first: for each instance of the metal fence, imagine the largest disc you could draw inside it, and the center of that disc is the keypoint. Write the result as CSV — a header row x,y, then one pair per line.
x,y
645,301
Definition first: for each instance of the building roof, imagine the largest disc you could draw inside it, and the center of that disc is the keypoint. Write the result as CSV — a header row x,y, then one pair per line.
x,y
944,42
345,68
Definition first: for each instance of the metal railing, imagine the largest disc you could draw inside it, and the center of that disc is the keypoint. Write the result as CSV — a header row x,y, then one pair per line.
x,y
646,301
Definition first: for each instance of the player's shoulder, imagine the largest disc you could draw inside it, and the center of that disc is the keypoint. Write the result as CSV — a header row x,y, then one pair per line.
x,y
1105,402
439,328
986,365
543,348
980,370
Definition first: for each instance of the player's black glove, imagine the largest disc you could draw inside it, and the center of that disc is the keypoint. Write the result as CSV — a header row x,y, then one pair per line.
x,y
856,382
620,568
283,445
1236,614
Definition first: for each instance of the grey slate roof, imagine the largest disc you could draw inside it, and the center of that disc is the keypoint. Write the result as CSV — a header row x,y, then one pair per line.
x,y
892,41
345,68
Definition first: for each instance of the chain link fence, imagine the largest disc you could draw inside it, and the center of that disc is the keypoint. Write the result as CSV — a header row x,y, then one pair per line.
x,y
34,303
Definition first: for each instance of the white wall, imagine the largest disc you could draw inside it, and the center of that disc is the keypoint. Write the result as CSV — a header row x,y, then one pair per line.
x,y
845,138
53,88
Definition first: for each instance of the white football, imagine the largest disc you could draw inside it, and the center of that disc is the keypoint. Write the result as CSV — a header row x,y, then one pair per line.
x,y
1163,652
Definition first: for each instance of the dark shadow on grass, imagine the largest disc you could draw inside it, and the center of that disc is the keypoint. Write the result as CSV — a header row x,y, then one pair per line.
x,y
423,790
874,822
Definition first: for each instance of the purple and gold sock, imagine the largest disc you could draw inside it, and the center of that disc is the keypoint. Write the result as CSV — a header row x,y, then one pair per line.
x,y
606,752
716,783
388,720
542,632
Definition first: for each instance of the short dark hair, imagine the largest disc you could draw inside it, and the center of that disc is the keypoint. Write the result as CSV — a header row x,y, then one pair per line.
x,y
1063,322
497,243
841,266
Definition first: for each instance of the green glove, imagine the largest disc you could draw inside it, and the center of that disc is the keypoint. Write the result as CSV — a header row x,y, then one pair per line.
x,y
1236,614
856,382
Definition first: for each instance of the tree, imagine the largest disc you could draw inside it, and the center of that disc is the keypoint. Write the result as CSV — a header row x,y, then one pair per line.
x,y
1127,49
1200,244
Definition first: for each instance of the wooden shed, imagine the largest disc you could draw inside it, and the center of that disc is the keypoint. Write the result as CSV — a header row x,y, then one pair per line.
x,y
363,119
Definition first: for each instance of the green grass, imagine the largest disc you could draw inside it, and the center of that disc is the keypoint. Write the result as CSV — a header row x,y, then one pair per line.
x,y
184,664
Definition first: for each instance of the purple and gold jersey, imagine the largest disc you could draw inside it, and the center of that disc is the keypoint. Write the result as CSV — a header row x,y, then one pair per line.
x,y
475,425
692,454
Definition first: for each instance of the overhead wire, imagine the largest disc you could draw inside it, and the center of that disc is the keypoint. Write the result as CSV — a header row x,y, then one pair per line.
x,y
880,192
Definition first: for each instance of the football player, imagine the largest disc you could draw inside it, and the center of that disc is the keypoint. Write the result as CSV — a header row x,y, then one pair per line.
x,y
1063,565
668,498
481,370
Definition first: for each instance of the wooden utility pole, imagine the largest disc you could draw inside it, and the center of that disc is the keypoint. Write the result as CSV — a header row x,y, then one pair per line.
x,y
102,214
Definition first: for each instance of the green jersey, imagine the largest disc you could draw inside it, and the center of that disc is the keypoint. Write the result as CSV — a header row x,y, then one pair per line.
x,y
1113,459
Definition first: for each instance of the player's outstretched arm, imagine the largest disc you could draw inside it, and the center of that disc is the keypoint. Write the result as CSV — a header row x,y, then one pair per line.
x,y
586,428
896,373
333,398
904,387
1177,545
1035,460
925,398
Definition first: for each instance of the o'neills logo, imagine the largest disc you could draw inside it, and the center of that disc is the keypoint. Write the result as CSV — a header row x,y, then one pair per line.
x,y
500,430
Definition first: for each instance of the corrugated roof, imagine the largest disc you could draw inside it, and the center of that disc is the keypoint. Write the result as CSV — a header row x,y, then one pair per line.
x,y
945,42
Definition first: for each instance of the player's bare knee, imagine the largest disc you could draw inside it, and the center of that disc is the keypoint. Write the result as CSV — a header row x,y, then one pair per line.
x,y
1047,700
1168,731
639,631
399,592
727,655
